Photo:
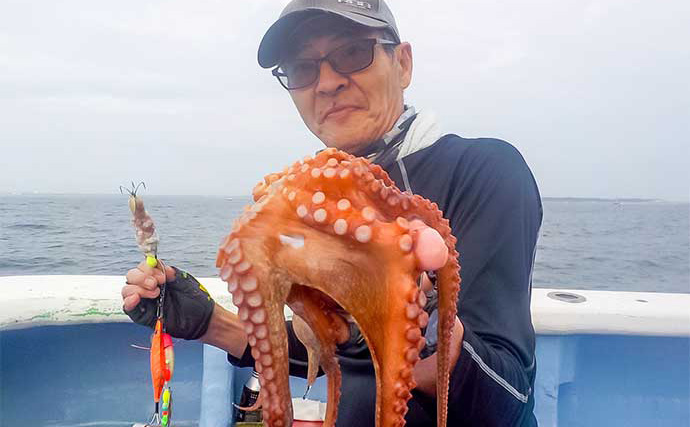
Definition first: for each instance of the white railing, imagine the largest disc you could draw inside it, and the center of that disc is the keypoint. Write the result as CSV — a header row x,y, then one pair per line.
x,y
27,301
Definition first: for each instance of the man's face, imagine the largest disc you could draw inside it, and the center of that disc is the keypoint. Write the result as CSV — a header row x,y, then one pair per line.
x,y
350,111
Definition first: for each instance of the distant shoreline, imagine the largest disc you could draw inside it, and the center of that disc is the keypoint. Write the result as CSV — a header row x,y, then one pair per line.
x,y
546,199
597,199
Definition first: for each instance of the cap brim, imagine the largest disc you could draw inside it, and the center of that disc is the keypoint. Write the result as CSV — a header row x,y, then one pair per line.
x,y
273,42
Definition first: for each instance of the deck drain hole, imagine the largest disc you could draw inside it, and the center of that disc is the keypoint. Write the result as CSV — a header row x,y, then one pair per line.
x,y
566,297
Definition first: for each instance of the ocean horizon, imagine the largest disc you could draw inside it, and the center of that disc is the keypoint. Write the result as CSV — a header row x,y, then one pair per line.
x,y
625,244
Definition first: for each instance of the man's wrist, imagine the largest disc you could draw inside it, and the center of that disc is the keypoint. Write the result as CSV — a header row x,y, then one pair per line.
x,y
225,331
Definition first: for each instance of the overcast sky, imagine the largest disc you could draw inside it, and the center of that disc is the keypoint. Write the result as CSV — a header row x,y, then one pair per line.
x,y
94,94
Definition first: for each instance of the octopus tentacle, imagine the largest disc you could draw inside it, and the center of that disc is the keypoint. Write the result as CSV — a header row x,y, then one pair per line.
x,y
447,310
255,406
260,310
310,309
306,335
335,228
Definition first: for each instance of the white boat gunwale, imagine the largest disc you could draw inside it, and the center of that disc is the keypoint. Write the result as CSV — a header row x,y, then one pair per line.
x,y
30,301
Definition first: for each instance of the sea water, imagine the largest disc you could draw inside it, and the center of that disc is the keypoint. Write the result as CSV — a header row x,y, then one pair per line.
x,y
632,245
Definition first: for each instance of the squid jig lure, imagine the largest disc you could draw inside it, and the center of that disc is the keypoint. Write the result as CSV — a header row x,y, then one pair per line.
x,y
162,357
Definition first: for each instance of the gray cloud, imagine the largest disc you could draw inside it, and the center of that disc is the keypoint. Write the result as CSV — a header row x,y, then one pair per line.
x,y
92,95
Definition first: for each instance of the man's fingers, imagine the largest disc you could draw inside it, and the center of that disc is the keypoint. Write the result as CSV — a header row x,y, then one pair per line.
x,y
133,275
145,268
429,248
169,273
143,282
158,276
129,290
131,301
141,278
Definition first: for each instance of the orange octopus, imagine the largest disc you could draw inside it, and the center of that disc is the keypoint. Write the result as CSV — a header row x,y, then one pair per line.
x,y
328,234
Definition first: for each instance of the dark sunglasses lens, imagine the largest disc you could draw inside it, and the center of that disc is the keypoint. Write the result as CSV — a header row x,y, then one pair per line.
x,y
299,74
353,57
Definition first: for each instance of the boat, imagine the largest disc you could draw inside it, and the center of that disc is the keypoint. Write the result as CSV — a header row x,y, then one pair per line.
x,y
70,357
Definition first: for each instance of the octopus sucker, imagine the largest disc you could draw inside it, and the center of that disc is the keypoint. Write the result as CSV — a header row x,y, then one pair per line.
x,y
254,300
320,215
363,233
412,311
385,191
340,227
318,198
423,319
235,256
226,272
237,298
330,237
242,267
421,299
413,335
248,328
405,243
413,296
232,283
258,317
368,213
248,283
343,205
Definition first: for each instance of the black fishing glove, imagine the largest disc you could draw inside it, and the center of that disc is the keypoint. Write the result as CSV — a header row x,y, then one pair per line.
x,y
187,308
430,332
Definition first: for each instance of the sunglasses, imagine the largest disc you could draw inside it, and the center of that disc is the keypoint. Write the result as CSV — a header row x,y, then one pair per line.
x,y
347,59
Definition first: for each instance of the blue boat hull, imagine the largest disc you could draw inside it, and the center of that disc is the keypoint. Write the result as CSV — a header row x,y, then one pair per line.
x,y
90,375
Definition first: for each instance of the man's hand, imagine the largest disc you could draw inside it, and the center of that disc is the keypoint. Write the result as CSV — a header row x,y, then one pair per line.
x,y
187,308
424,372
143,282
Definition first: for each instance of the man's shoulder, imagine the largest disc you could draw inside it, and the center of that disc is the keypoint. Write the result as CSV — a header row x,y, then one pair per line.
x,y
456,150
487,147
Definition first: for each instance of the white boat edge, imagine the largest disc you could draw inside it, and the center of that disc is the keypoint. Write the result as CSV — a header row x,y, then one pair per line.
x,y
30,301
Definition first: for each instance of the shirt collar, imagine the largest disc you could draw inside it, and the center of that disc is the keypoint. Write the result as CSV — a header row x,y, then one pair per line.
x,y
387,144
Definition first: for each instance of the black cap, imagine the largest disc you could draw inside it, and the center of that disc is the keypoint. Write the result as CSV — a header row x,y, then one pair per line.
x,y
369,13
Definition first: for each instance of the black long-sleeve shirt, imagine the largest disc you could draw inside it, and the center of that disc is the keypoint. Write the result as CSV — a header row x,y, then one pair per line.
x,y
487,192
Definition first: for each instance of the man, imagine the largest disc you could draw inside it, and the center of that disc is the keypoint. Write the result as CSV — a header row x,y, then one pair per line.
x,y
346,69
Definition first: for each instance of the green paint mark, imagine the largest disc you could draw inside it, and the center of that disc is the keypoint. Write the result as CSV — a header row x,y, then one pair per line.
x,y
48,315
93,311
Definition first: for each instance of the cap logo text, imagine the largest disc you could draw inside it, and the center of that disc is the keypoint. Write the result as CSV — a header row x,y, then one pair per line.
x,y
356,3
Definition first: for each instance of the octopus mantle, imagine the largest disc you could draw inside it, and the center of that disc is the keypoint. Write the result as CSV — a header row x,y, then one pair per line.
x,y
328,234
